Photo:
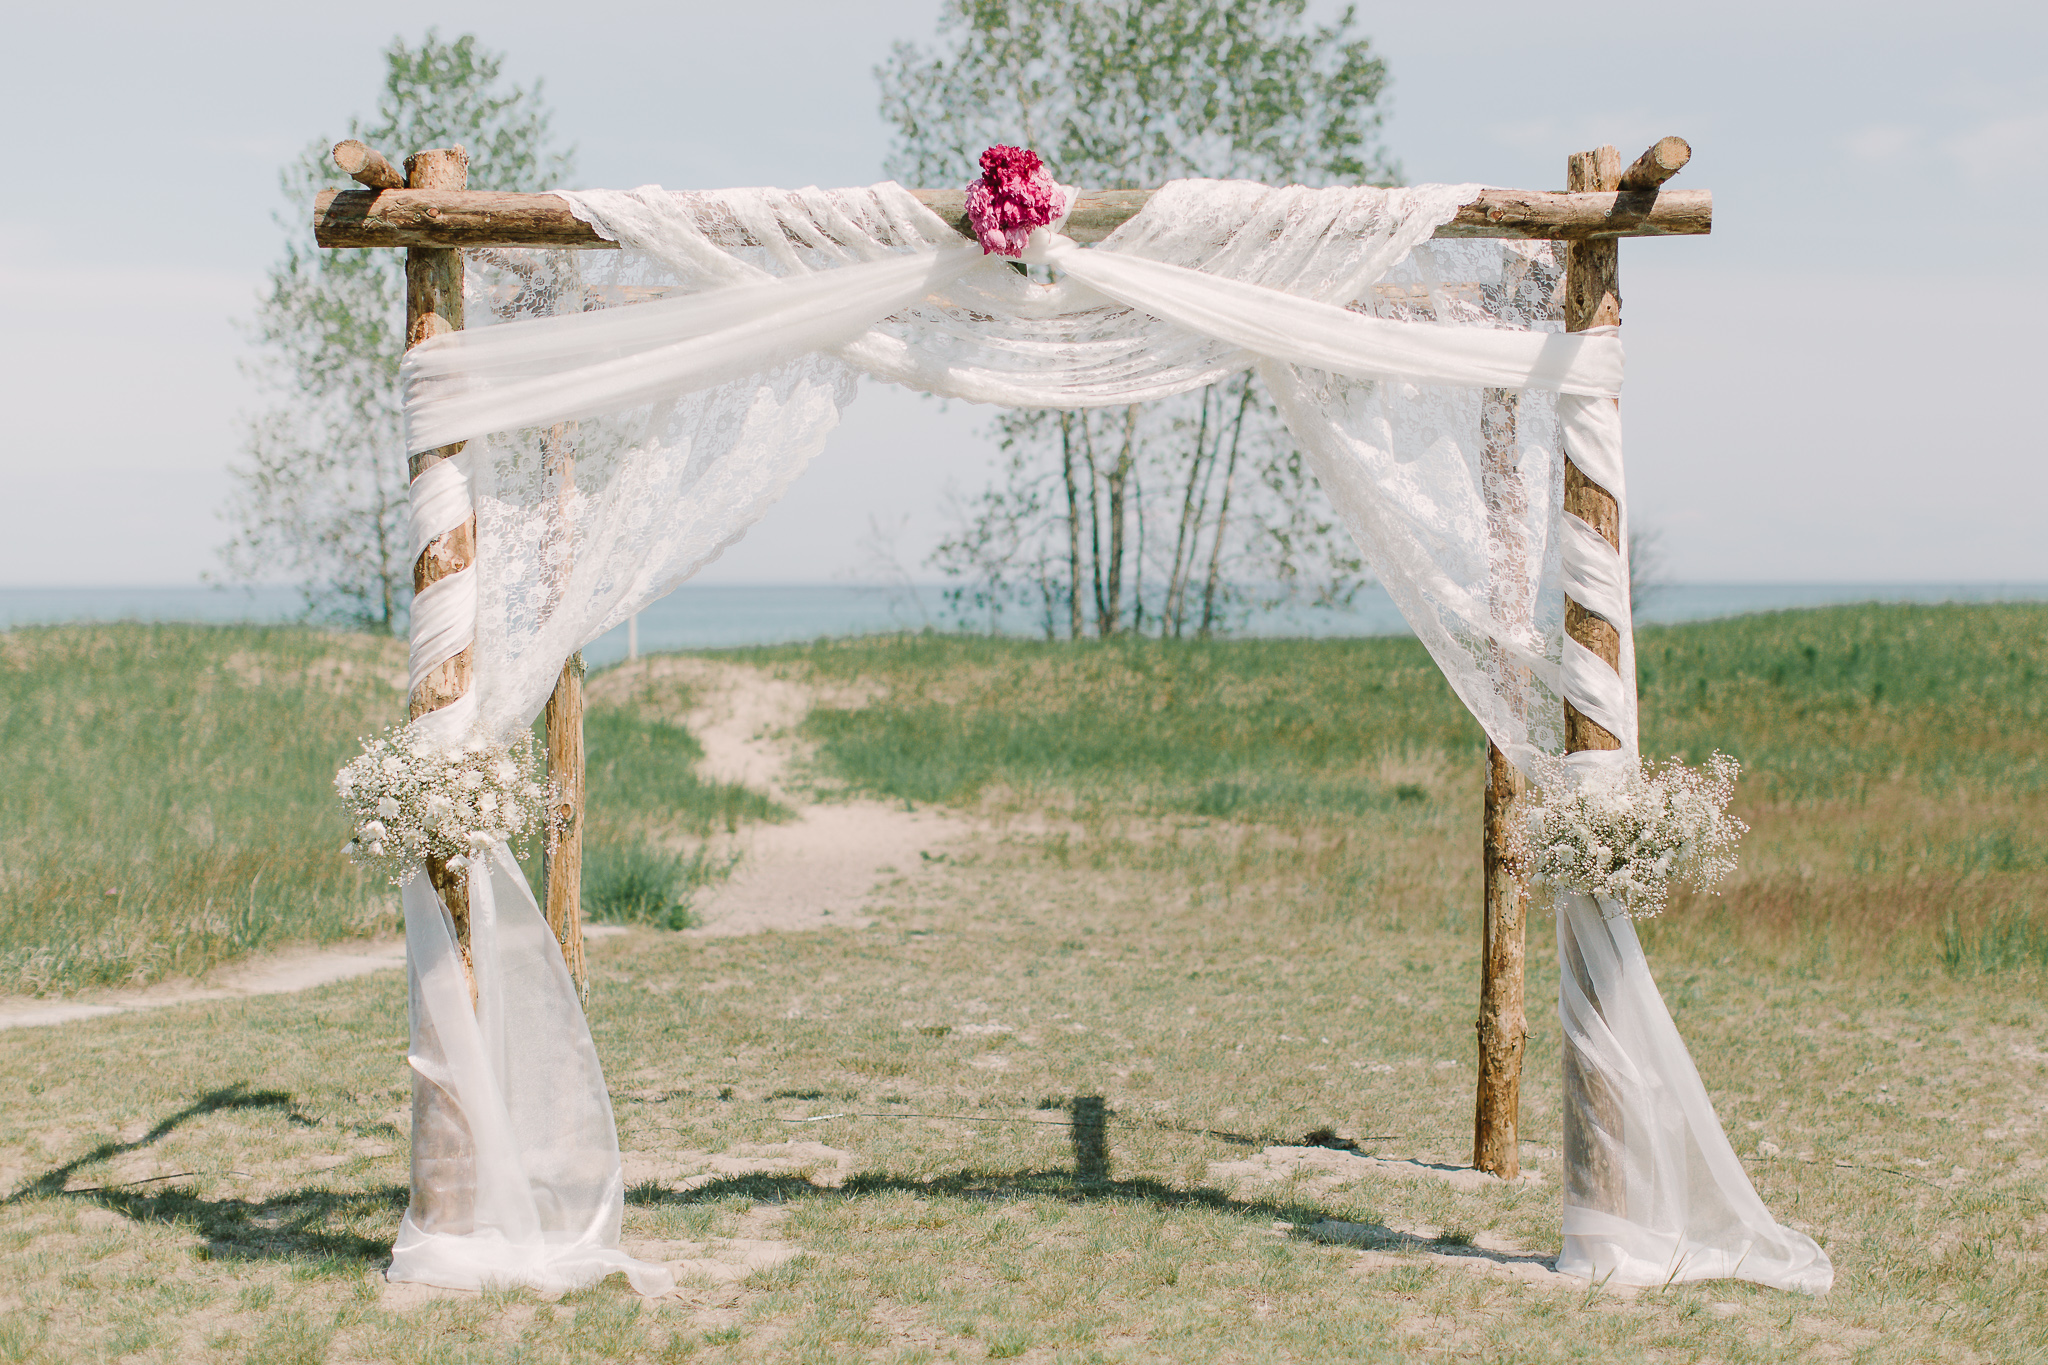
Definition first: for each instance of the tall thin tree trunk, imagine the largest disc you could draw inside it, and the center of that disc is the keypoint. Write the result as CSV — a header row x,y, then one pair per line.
x,y
1077,615
387,574
387,607
1201,515
1138,559
1223,519
1094,517
1175,605
1048,599
1111,620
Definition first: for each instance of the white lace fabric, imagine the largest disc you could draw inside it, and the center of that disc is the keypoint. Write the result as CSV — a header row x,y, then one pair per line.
x,y
630,413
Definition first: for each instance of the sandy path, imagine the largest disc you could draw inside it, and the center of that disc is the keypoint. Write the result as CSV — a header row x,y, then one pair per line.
x,y
275,974
300,969
812,872
817,870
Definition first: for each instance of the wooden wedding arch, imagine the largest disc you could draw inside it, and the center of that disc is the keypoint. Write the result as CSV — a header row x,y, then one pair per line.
x,y
427,210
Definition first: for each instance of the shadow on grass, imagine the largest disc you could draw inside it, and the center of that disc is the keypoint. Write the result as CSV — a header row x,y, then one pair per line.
x,y
1380,1237
307,1225
986,1186
1310,1222
296,1226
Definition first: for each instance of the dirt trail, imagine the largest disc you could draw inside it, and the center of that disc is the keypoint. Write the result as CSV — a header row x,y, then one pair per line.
x,y
275,974
300,969
812,872
819,869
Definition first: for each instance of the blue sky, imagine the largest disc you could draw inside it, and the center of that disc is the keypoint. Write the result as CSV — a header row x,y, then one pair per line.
x,y
1840,384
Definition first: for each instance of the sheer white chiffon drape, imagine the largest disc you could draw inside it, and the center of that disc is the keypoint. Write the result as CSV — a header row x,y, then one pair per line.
x,y
696,373
544,1194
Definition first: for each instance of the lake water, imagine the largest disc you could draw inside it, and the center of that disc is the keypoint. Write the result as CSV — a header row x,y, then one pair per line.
x,y
714,615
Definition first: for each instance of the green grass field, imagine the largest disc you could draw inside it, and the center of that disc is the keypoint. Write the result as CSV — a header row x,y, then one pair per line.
x,y
166,800
1229,889
1896,774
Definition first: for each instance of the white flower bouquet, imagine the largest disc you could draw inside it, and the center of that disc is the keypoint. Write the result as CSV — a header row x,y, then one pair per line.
x,y
1623,834
411,800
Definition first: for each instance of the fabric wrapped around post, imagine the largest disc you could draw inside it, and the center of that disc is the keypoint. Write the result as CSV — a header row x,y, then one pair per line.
x,y
709,361
515,1158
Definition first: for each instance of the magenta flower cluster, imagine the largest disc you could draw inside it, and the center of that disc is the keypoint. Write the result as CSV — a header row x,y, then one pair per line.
x,y
1013,196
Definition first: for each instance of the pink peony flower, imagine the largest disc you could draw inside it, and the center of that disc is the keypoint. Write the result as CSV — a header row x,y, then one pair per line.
x,y
1013,196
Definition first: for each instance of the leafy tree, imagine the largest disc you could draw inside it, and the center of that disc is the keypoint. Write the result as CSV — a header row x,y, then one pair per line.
x,y
1127,94
320,491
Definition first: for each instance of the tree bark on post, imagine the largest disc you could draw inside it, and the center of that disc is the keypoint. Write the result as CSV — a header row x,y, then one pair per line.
x,y
1592,1118
1503,1024
564,857
443,1155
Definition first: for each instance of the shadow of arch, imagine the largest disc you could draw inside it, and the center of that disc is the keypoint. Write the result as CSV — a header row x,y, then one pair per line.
x,y
237,1096
306,1226
1379,1237
1311,1222
299,1226
989,1186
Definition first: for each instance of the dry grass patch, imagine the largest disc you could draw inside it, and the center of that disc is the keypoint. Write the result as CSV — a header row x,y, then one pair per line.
x,y
1237,930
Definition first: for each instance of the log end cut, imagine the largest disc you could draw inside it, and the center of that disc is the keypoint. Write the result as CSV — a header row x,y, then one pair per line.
x,y
367,166
1664,159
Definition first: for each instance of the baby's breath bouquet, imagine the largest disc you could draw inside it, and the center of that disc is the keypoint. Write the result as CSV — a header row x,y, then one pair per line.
x,y
411,800
1622,834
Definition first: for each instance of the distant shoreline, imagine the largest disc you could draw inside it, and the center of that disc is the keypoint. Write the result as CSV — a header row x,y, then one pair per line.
x,y
713,615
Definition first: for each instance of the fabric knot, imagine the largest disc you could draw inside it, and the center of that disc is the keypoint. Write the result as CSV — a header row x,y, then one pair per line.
x,y
1044,246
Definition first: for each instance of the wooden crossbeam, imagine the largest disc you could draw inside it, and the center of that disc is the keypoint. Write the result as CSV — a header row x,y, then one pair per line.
x,y
475,218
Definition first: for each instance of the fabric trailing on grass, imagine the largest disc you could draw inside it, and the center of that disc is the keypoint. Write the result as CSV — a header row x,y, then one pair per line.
x,y
516,1180
1654,1193
631,413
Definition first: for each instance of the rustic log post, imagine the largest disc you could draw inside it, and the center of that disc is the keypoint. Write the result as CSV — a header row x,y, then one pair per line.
x,y
443,1156
1592,1118
1503,1024
433,306
564,857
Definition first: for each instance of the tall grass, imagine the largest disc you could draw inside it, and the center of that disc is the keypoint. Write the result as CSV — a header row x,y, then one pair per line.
x,y
1277,729
1840,704
167,801
1895,757
166,796
1897,778
644,786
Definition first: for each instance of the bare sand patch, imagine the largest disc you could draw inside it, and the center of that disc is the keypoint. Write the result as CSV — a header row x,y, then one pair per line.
x,y
820,869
